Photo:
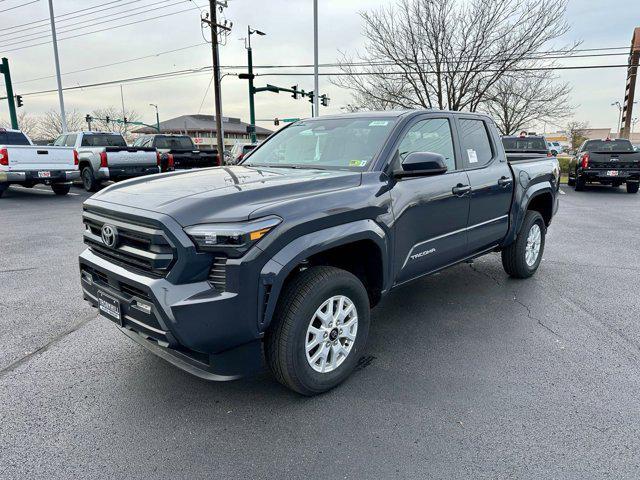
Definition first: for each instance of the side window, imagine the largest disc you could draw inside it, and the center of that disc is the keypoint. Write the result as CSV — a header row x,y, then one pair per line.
x,y
70,141
431,135
60,141
475,143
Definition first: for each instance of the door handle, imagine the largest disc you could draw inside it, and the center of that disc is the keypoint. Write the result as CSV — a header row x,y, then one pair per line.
x,y
461,190
504,181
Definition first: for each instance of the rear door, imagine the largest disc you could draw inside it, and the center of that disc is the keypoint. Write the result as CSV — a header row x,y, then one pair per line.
x,y
491,183
430,212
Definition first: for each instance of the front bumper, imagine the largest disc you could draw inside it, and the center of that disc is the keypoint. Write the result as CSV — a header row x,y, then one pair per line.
x,y
192,325
34,176
121,173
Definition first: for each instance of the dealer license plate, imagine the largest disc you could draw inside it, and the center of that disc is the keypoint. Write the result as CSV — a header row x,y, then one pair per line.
x,y
612,173
109,307
44,174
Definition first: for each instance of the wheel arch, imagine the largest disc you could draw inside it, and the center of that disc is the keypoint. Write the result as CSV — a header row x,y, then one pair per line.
x,y
359,247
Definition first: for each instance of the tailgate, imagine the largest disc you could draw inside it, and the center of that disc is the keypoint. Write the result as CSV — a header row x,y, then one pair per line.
x,y
193,159
614,160
122,157
29,157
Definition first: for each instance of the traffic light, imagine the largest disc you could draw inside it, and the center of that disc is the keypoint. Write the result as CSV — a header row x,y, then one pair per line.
x,y
276,121
88,118
295,92
310,95
125,120
324,100
19,100
107,119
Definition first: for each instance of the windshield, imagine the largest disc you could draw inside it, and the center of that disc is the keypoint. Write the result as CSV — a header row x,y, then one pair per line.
x,y
524,144
175,143
332,143
608,146
100,140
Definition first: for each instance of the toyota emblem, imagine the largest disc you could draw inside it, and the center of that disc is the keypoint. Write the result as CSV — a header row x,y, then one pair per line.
x,y
109,236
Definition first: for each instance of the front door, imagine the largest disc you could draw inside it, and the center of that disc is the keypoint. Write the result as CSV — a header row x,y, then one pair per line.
x,y
430,212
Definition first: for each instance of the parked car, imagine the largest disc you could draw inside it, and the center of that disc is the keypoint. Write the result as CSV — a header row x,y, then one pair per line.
x,y
26,164
178,152
554,148
608,162
288,251
240,150
525,147
105,156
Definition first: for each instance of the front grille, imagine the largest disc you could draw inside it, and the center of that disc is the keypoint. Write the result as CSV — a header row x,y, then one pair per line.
x,y
218,274
143,248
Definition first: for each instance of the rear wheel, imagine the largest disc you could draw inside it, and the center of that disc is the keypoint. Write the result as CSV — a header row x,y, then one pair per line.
x,y
580,183
571,181
319,330
60,189
89,181
522,258
632,187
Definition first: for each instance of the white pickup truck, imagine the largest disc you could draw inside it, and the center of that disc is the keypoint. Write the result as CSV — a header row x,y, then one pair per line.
x,y
105,156
26,164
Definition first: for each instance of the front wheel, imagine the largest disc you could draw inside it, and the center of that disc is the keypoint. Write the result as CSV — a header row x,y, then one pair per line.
x,y
632,187
522,258
319,330
62,189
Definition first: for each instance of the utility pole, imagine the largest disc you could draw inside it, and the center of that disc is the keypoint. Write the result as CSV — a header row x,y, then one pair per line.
x,y
316,86
213,24
63,116
4,69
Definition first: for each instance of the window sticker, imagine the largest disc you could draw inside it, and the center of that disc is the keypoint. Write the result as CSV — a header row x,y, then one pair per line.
x,y
379,123
357,163
471,155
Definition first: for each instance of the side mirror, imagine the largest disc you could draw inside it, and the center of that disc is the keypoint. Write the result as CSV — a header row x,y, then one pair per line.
x,y
422,164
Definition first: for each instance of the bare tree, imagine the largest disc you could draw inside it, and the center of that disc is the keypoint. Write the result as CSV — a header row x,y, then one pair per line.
x,y
114,113
446,54
576,133
520,99
26,122
50,124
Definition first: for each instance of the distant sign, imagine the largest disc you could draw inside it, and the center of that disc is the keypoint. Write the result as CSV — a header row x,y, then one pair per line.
x,y
198,140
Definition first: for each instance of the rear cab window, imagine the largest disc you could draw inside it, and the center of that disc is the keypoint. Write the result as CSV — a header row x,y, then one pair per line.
x,y
103,140
620,145
524,144
13,138
475,144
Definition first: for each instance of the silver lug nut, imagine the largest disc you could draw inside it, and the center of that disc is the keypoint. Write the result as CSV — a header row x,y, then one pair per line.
x,y
326,334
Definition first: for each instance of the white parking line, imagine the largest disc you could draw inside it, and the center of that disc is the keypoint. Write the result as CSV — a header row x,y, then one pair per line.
x,y
562,192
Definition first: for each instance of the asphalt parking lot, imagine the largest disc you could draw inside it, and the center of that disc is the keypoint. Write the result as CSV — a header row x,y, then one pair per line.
x,y
468,374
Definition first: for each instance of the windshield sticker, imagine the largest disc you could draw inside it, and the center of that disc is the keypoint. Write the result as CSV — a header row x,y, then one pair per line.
x,y
471,154
379,123
357,163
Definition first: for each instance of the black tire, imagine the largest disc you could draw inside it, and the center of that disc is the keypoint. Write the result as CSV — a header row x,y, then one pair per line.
x,y
285,342
571,181
632,187
514,256
3,188
60,189
580,183
89,181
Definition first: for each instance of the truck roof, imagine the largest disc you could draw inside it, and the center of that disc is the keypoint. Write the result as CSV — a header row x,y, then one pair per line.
x,y
396,114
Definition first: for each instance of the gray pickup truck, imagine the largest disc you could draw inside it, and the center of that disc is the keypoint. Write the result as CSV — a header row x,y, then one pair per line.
x,y
105,156
282,256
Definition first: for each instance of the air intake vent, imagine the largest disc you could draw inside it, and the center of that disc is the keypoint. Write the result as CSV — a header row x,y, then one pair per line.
x,y
218,274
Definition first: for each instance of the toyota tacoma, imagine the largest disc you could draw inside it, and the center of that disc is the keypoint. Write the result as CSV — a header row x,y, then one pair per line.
x,y
279,260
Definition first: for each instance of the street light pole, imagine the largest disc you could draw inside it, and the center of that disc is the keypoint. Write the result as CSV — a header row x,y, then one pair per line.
x,y
54,38
252,108
316,87
617,104
157,116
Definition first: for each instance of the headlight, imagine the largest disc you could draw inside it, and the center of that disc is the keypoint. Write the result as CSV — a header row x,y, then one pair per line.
x,y
233,238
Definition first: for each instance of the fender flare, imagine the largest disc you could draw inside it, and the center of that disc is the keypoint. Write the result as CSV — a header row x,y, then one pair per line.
x,y
532,192
276,270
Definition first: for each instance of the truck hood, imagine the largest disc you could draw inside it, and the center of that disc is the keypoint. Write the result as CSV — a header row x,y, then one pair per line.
x,y
222,194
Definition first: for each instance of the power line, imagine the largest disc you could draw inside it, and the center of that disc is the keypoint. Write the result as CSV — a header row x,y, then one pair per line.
x,y
18,6
103,29
207,69
152,55
126,14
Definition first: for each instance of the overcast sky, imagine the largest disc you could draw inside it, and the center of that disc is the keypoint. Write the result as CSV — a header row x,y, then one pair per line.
x,y
289,40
